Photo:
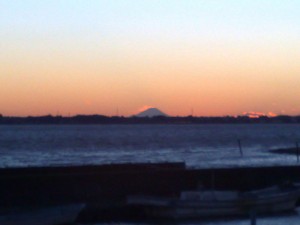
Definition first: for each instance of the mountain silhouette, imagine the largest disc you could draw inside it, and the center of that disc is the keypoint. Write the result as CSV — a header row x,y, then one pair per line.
x,y
151,112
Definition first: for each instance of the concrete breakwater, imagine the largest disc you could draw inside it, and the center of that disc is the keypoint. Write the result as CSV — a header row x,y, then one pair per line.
x,y
106,186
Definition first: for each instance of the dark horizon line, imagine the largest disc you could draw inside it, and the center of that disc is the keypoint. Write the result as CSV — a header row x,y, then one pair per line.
x,y
102,119
136,115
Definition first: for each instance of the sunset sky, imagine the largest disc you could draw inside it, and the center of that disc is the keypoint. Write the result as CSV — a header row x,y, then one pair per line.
x,y
209,57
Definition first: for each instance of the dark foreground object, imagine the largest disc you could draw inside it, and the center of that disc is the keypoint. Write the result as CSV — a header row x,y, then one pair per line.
x,y
55,215
291,151
105,188
213,203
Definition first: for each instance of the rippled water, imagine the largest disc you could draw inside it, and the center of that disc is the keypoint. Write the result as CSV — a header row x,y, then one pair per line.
x,y
197,145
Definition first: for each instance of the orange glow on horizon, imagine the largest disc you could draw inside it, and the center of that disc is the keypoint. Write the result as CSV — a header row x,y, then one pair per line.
x,y
259,114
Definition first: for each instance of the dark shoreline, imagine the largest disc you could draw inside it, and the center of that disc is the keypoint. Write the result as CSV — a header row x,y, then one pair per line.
x,y
290,151
100,119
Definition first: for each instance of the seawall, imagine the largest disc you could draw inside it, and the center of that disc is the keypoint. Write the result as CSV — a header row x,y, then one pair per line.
x,y
108,184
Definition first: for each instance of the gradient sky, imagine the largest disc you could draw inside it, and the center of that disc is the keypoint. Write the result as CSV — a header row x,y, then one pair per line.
x,y
212,57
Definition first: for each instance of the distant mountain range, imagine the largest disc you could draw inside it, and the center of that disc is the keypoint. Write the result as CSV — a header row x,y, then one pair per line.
x,y
151,112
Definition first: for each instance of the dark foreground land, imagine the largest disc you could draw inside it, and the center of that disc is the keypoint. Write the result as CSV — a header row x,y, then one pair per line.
x,y
104,188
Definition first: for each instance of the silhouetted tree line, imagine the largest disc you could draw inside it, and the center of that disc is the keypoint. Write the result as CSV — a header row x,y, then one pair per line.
x,y
100,119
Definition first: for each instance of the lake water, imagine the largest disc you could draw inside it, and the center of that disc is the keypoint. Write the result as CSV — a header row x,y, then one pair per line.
x,y
201,146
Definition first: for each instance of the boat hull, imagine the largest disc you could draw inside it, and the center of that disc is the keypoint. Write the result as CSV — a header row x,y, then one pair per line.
x,y
176,209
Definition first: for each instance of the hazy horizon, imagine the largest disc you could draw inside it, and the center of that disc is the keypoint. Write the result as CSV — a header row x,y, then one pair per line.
x,y
206,58
247,114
